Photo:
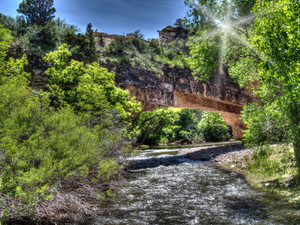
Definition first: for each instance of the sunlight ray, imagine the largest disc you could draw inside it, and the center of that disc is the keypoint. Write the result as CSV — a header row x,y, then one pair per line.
x,y
244,20
224,41
241,39
210,34
209,14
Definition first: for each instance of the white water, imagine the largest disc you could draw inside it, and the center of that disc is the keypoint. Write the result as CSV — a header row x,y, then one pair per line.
x,y
190,192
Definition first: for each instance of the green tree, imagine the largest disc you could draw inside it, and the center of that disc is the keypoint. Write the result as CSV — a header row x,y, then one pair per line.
x,y
197,17
5,39
264,56
187,124
167,125
179,23
224,39
276,39
91,46
207,14
38,12
157,126
87,87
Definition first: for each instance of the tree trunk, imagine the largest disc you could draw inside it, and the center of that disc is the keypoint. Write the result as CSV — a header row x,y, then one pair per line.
x,y
296,146
295,127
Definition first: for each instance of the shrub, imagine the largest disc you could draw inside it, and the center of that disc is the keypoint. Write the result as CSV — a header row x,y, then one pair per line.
x,y
88,88
47,151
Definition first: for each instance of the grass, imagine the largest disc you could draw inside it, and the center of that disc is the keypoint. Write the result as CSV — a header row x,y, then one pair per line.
x,y
271,168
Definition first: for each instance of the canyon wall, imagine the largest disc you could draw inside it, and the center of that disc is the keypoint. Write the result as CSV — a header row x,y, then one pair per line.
x,y
175,87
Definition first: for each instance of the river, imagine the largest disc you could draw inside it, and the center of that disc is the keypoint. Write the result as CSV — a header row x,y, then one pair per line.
x,y
167,188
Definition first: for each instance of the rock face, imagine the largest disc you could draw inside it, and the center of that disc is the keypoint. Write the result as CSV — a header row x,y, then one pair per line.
x,y
169,34
174,88
177,88
104,39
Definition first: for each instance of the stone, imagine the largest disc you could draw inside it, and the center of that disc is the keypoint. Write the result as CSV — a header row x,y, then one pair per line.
x,y
169,34
177,88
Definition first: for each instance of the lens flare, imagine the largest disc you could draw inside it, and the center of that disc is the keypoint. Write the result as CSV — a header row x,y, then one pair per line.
x,y
228,27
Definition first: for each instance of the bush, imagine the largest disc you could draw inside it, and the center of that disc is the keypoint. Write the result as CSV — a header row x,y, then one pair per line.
x,y
88,88
40,146
273,161
44,151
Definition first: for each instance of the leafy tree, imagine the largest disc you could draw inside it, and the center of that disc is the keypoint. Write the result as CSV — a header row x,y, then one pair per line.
x,y
38,12
89,88
39,39
264,56
5,39
179,23
206,14
275,37
138,34
187,125
7,21
205,56
197,17
224,41
155,126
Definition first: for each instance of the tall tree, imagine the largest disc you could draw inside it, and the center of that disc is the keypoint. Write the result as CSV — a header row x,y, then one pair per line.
x,y
265,56
205,14
91,47
38,12
220,40
276,39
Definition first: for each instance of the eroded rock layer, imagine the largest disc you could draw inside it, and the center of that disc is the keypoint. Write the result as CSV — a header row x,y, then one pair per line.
x,y
177,88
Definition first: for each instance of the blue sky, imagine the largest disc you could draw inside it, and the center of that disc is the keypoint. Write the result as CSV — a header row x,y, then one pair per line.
x,y
113,16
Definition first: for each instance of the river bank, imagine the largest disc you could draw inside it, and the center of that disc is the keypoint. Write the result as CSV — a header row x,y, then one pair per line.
x,y
181,185
270,168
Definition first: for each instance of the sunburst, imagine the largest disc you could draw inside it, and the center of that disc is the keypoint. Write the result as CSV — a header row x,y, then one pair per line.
x,y
227,27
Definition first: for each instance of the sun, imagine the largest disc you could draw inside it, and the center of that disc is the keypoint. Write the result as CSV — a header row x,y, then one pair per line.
x,y
228,27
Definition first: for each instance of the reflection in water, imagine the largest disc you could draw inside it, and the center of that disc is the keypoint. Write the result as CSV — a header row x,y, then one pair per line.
x,y
190,192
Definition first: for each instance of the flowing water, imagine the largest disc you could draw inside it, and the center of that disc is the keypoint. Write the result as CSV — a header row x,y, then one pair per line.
x,y
167,188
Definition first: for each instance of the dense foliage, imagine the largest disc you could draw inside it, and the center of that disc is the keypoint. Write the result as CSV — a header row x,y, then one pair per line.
x,y
80,139
224,39
180,126
279,68
262,55
33,37
213,128
206,14
86,87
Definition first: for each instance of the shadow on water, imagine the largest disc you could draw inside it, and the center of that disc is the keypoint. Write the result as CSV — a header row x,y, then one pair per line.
x,y
155,162
166,160
244,205
208,144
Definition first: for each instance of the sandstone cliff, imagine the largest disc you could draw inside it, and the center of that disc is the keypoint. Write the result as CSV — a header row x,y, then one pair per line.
x,y
175,87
